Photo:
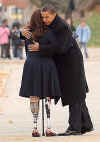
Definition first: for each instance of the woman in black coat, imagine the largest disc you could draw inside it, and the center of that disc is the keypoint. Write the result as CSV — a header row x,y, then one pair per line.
x,y
40,78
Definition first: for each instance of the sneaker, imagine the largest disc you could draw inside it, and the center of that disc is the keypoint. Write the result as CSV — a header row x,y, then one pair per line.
x,y
50,133
35,133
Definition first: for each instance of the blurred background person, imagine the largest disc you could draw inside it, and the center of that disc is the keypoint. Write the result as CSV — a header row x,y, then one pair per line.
x,y
4,38
20,43
14,41
84,33
17,42
9,45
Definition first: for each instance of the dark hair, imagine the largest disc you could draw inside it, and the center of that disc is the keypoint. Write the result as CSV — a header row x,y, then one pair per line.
x,y
36,25
49,7
4,20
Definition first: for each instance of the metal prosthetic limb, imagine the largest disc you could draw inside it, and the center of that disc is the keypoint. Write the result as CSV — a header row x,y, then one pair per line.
x,y
47,107
35,111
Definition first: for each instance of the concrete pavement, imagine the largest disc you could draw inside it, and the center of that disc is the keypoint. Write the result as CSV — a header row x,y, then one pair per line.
x,y
15,115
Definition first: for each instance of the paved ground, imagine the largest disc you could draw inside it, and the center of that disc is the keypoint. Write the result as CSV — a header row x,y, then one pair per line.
x,y
15,115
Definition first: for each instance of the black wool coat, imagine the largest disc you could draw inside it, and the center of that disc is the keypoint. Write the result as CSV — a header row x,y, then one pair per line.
x,y
69,62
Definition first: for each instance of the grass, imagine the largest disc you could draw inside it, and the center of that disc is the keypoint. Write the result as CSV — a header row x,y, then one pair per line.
x,y
94,23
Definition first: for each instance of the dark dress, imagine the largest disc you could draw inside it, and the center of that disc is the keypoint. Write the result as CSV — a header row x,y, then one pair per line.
x,y
39,74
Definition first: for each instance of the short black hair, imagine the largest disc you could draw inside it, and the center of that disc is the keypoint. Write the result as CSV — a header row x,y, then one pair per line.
x,y
49,7
4,20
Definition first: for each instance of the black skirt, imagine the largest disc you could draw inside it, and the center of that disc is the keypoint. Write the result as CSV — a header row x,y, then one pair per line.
x,y
40,77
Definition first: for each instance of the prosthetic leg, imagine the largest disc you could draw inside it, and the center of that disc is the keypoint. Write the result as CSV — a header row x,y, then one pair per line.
x,y
34,105
47,107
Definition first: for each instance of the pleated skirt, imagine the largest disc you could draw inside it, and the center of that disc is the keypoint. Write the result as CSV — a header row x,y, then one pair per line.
x,y
40,78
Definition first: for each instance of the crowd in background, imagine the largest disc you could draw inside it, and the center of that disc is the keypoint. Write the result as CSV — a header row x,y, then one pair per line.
x,y
10,38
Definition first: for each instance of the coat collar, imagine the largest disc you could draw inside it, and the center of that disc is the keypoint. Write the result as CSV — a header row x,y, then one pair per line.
x,y
54,23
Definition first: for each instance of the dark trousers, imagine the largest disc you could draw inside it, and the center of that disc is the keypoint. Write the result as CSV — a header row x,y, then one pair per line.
x,y
4,50
79,117
8,51
20,52
15,51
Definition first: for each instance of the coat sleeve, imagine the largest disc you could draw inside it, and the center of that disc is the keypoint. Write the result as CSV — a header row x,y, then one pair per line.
x,y
50,39
62,43
22,37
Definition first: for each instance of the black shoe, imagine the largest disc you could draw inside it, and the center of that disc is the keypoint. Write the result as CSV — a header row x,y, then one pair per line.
x,y
70,132
84,130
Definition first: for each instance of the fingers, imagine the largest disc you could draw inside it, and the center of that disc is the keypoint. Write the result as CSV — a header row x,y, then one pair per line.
x,y
32,49
26,33
37,44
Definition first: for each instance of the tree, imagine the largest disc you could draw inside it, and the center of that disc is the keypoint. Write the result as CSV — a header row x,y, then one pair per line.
x,y
44,2
87,5
60,5
70,8
35,2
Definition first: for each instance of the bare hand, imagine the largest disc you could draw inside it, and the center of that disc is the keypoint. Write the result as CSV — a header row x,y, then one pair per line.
x,y
34,47
26,32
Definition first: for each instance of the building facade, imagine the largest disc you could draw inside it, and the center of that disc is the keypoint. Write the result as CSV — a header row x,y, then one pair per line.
x,y
13,10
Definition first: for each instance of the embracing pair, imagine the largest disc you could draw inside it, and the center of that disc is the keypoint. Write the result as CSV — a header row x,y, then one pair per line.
x,y
54,69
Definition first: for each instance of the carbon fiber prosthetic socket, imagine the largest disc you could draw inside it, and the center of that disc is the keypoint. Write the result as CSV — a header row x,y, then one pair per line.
x,y
35,112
